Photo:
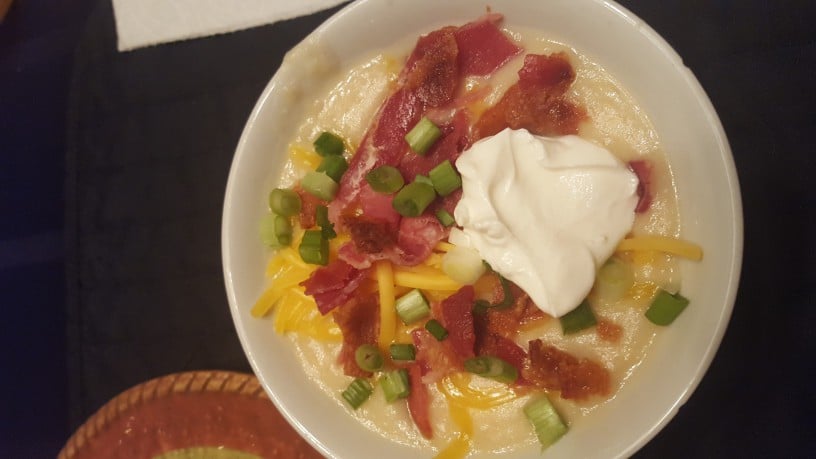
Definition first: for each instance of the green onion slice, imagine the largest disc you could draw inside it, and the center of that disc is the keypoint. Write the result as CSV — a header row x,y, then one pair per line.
x,y
357,392
423,179
666,307
322,220
334,166
423,136
493,368
412,307
578,319
284,201
273,231
328,144
548,425
436,329
385,179
445,218
395,384
401,351
368,357
314,248
412,199
319,185
445,178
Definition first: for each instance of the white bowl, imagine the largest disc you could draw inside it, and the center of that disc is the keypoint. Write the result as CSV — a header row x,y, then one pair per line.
x,y
690,132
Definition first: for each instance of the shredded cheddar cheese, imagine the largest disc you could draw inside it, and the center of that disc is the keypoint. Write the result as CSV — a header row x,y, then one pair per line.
x,y
388,312
664,244
303,158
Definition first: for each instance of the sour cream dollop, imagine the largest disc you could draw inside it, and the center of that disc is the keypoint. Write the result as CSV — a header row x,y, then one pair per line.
x,y
544,212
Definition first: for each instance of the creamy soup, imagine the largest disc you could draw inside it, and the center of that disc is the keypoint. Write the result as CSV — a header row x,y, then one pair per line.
x,y
344,101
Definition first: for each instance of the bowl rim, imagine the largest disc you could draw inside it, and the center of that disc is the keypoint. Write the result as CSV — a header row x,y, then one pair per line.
x,y
734,201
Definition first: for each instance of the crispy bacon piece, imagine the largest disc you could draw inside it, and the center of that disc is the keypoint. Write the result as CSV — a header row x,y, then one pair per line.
x,y
554,369
536,102
505,322
483,48
416,239
419,401
643,170
333,284
369,235
435,358
609,331
456,313
359,321
432,72
308,205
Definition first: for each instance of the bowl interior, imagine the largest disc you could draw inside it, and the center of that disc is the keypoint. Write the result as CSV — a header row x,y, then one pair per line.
x,y
690,133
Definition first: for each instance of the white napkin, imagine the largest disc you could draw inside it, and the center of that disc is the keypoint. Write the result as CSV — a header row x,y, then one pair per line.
x,y
149,22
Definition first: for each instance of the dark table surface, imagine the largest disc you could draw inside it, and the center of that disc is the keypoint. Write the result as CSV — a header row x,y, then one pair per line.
x,y
113,172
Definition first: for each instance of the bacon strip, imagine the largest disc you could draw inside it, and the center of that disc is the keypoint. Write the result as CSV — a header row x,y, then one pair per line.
x,y
436,359
536,102
416,239
333,285
483,48
419,402
359,321
553,369
457,317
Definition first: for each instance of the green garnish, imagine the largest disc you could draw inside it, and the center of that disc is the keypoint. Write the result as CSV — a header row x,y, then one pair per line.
x,y
423,135
666,307
328,144
385,179
578,319
413,198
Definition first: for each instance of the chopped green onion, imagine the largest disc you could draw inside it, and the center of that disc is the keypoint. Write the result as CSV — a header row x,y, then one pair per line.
x,y
322,220
368,357
283,230
548,425
401,351
275,231
357,392
445,178
319,185
423,179
412,307
423,136
395,384
314,248
436,329
385,179
329,144
666,307
614,279
493,368
578,319
444,217
334,166
412,199
284,201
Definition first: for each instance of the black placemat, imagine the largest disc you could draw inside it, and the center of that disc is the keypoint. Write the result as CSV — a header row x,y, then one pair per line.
x,y
151,134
